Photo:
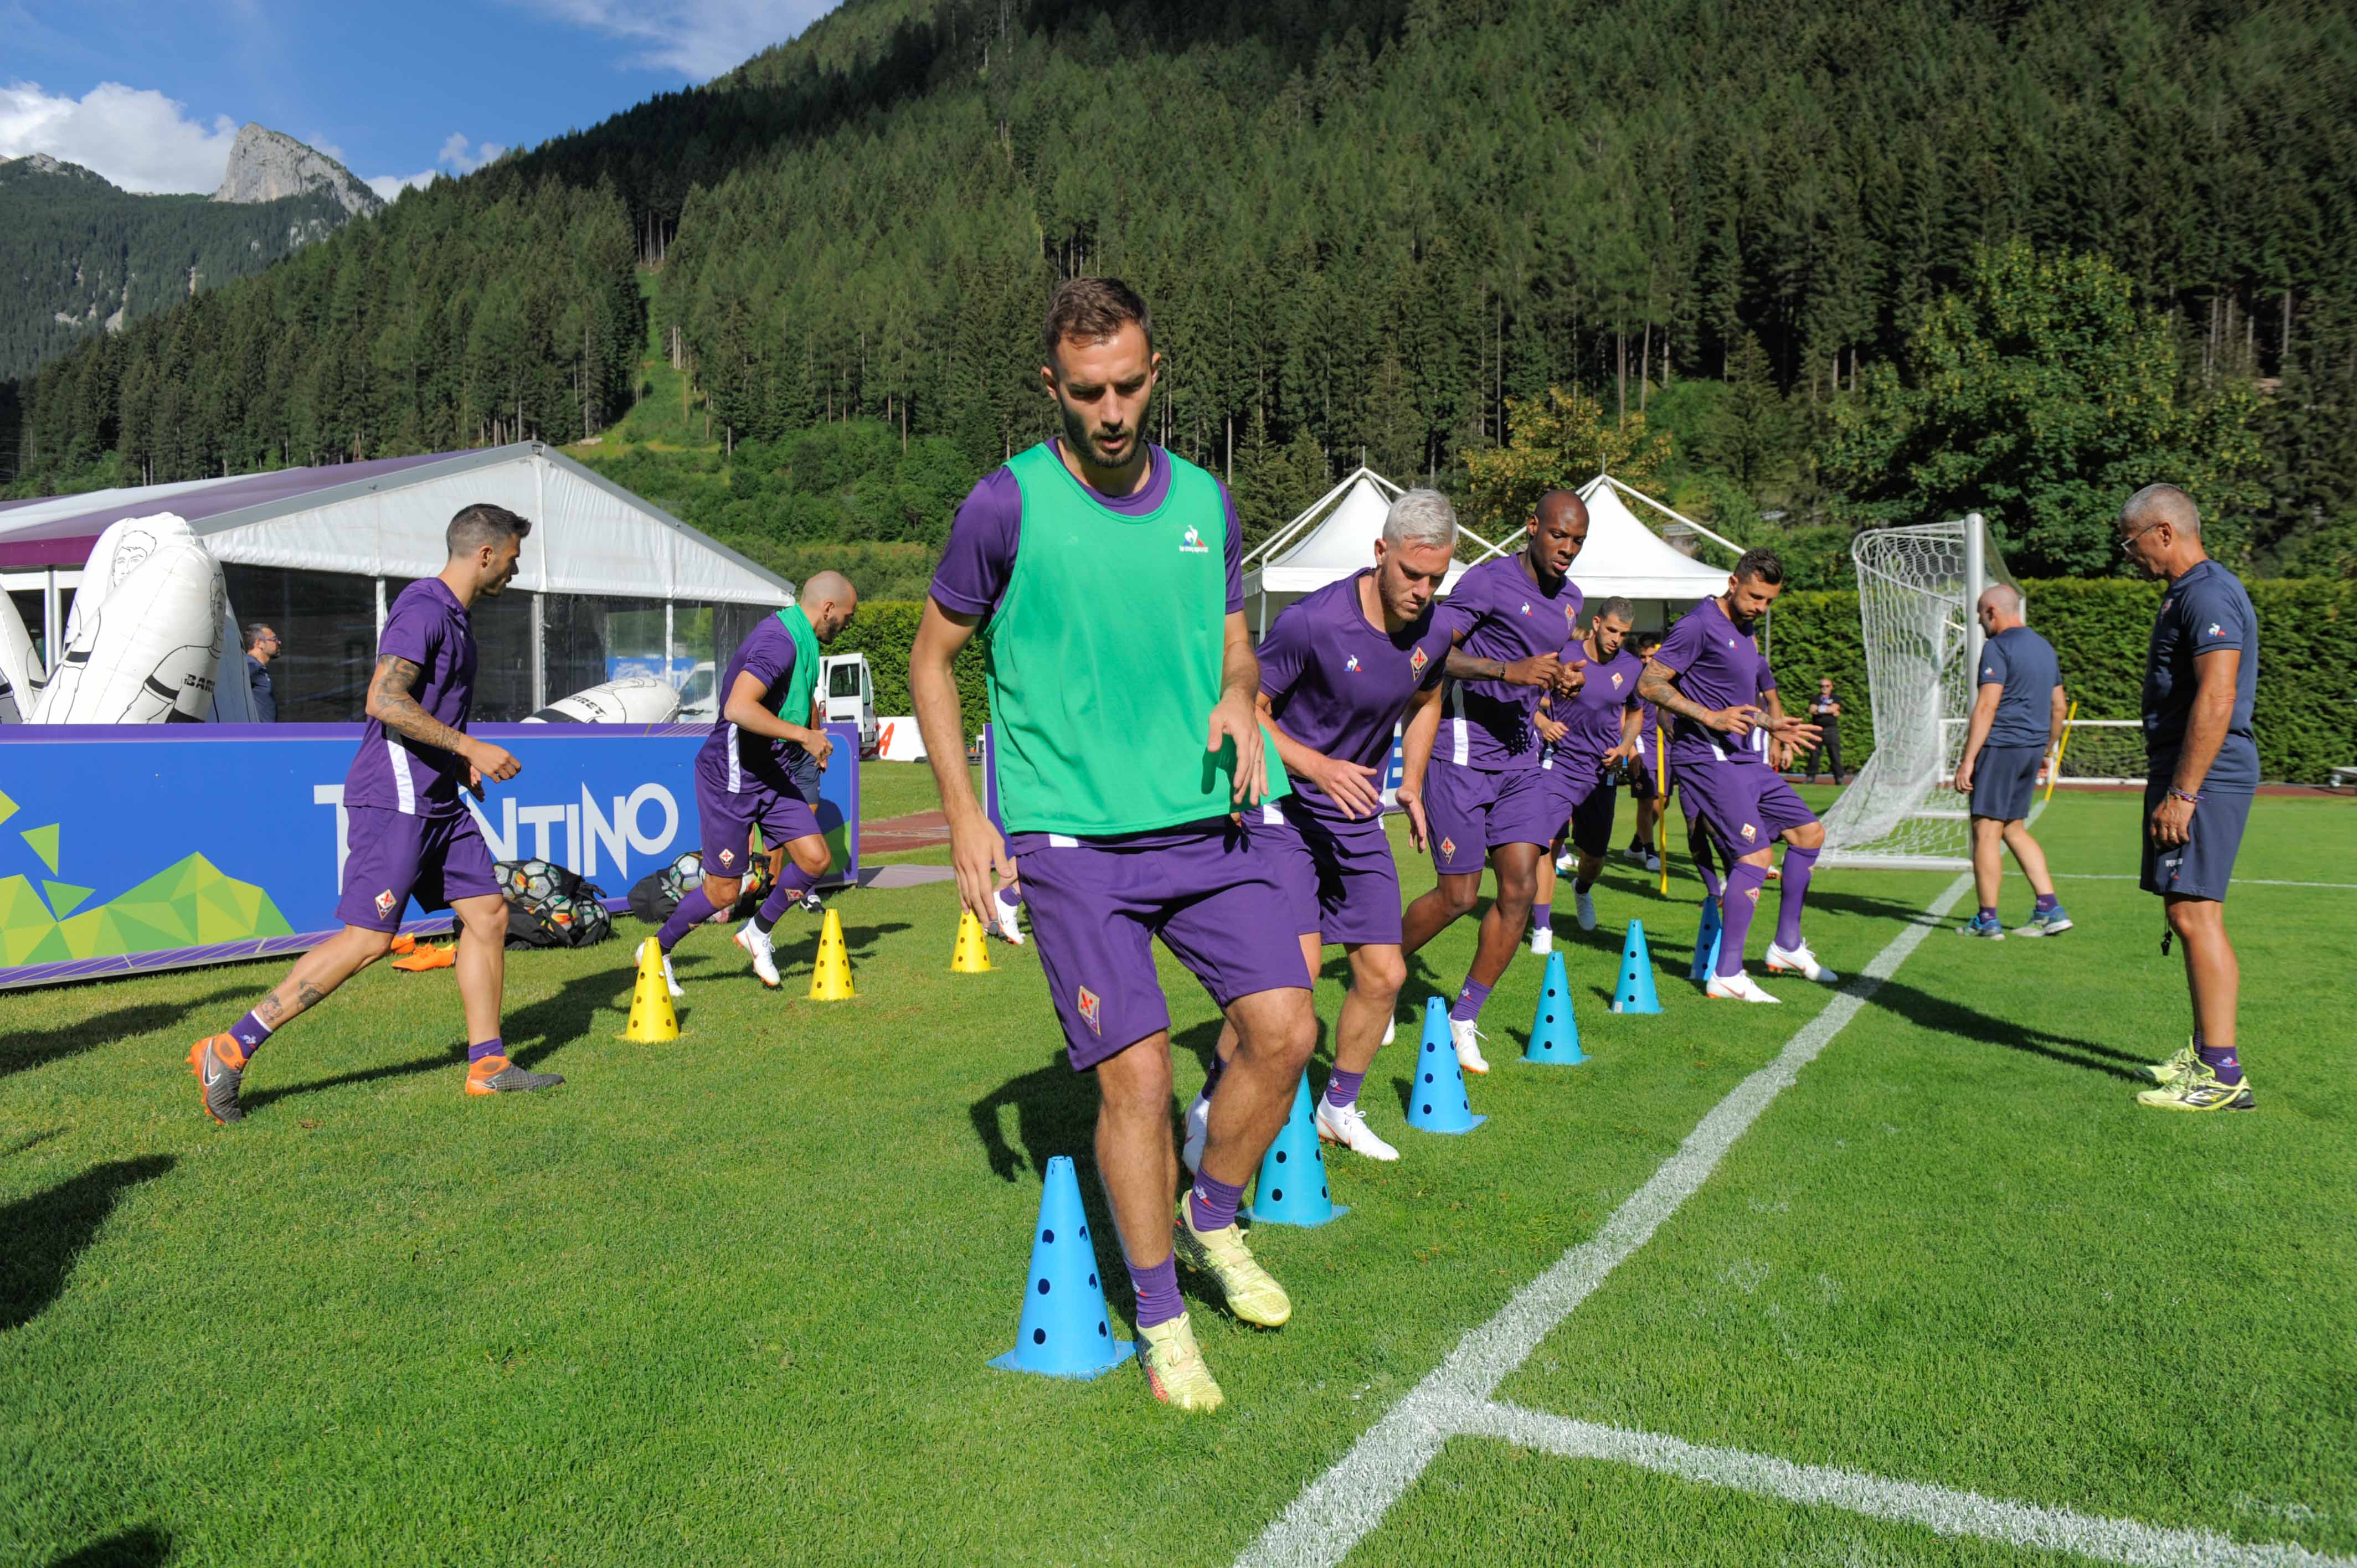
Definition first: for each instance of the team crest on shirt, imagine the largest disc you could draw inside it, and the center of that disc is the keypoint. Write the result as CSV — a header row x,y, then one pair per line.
x,y
1192,542
385,903
1091,1013
1448,849
1352,664
1418,660
1616,679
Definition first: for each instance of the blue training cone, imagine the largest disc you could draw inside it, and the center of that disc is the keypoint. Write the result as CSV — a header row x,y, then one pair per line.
x,y
1706,953
1635,992
1292,1188
1554,1033
1064,1332
1435,1100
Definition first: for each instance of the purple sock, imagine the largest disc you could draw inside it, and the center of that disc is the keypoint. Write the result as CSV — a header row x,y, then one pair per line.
x,y
1798,865
1213,1203
692,912
2222,1062
1706,867
249,1032
783,897
1157,1285
1735,911
1989,913
1343,1088
1212,1074
1542,916
1469,1001
494,1047
2045,901
1011,896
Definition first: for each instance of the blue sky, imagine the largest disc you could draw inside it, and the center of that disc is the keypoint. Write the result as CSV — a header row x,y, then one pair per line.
x,y
150,93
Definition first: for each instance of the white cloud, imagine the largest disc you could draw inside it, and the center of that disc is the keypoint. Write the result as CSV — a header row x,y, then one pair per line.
x,y
454,153
389,187
135,137
697,38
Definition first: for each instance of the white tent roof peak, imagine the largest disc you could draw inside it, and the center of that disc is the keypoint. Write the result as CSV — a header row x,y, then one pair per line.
x,y
1333,537
1623,557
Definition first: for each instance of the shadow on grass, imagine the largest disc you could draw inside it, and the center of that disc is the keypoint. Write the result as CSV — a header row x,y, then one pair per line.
x,y
860,941
143,1546
21,1050
47,1231
1942,1016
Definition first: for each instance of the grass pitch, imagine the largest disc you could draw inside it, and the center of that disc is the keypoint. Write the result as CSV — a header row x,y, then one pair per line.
x,y
729,1300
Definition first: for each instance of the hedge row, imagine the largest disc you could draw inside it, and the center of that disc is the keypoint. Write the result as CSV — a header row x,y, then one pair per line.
x,y
2307,715
2306,708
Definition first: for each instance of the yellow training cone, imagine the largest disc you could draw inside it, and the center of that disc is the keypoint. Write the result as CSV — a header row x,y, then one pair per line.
x,y
652,1019
970,956
831,979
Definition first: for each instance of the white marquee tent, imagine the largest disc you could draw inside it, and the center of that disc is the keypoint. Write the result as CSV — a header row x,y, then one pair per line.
x,y
1329,540
609,583
1623,558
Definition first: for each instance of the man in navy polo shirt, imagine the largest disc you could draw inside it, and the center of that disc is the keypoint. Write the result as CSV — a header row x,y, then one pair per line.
x,y
2016,718
410,836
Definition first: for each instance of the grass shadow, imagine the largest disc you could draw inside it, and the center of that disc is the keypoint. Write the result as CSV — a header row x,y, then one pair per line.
x,y
142,1546
1939,1014
48,1231
22,1050
859,942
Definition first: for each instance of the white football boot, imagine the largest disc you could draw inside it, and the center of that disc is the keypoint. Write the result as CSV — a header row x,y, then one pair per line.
x,y
1565,862
1008,930
1653,862
1467,1041
1198,1133
1343,1124
1737,987
1542,939
1586,904
1781,960
1390,1028
672,980
761,951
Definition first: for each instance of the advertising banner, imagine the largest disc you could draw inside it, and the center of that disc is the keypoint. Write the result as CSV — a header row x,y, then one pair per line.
x,y
151,847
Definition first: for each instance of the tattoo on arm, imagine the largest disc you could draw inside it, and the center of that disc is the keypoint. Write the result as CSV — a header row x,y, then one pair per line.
x,y
1655,686
390,699
1465,666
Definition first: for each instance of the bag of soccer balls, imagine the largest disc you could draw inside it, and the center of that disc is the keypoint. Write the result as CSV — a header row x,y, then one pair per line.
x,y
550,907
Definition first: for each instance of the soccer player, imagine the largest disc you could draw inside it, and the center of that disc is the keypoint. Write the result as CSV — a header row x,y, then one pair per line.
x,y
2016,718
1123,696
2201,674
1336,672
1599,736
1474,772
409,835
760,768
1645,772
1731,742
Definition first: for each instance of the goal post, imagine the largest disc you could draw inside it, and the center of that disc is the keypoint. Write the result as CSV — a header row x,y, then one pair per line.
x,y
1916,590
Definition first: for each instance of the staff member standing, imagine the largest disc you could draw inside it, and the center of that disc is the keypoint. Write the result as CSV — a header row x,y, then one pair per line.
x,y
1824,711
260,648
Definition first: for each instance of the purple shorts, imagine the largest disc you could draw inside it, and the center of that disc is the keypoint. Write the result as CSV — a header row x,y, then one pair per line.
x,y
395,858
1220,903
1469,812
1345,882
1744,804
728,822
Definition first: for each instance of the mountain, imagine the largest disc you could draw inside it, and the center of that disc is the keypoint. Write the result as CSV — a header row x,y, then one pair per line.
x,y
80,256
268,165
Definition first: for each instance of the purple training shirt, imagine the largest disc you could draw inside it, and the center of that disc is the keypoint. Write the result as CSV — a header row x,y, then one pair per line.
x,y
427,626
1594,715
979,555
1719,664
736,759
1506,615
1339,685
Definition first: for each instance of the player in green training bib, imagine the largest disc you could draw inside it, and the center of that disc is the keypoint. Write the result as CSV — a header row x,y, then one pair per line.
x,y
1123,696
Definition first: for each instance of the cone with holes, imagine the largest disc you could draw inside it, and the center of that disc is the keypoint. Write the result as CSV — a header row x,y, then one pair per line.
x,y
971,954
652,1019
831,977
1436,1094
1291,1189
1635,992
1706,953
1554,1033
1064,1332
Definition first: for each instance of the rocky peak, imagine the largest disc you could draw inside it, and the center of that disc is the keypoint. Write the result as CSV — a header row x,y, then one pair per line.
x,y
266,166
42,163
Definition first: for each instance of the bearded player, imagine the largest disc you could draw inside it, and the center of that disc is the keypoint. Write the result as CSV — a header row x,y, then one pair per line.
x,y
1594,734
1336,672
409,834
759,768
1124,705
1732,740
1474,771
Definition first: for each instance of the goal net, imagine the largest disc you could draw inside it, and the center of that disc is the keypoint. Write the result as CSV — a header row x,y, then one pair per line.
x,y
1916,587
2102,751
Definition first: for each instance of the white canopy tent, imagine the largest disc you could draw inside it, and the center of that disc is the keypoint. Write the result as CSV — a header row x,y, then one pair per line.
x,y
1624,558
608,582
1329,540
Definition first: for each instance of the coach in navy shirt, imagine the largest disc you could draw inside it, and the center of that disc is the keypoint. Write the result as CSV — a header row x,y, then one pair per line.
x,y
2202,673
2016,718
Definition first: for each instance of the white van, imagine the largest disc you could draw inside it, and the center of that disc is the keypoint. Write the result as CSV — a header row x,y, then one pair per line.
x,y
848,694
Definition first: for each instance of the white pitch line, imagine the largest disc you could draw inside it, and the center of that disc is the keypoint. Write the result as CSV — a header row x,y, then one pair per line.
x,y
1940,1508
1337,1509
2238,882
